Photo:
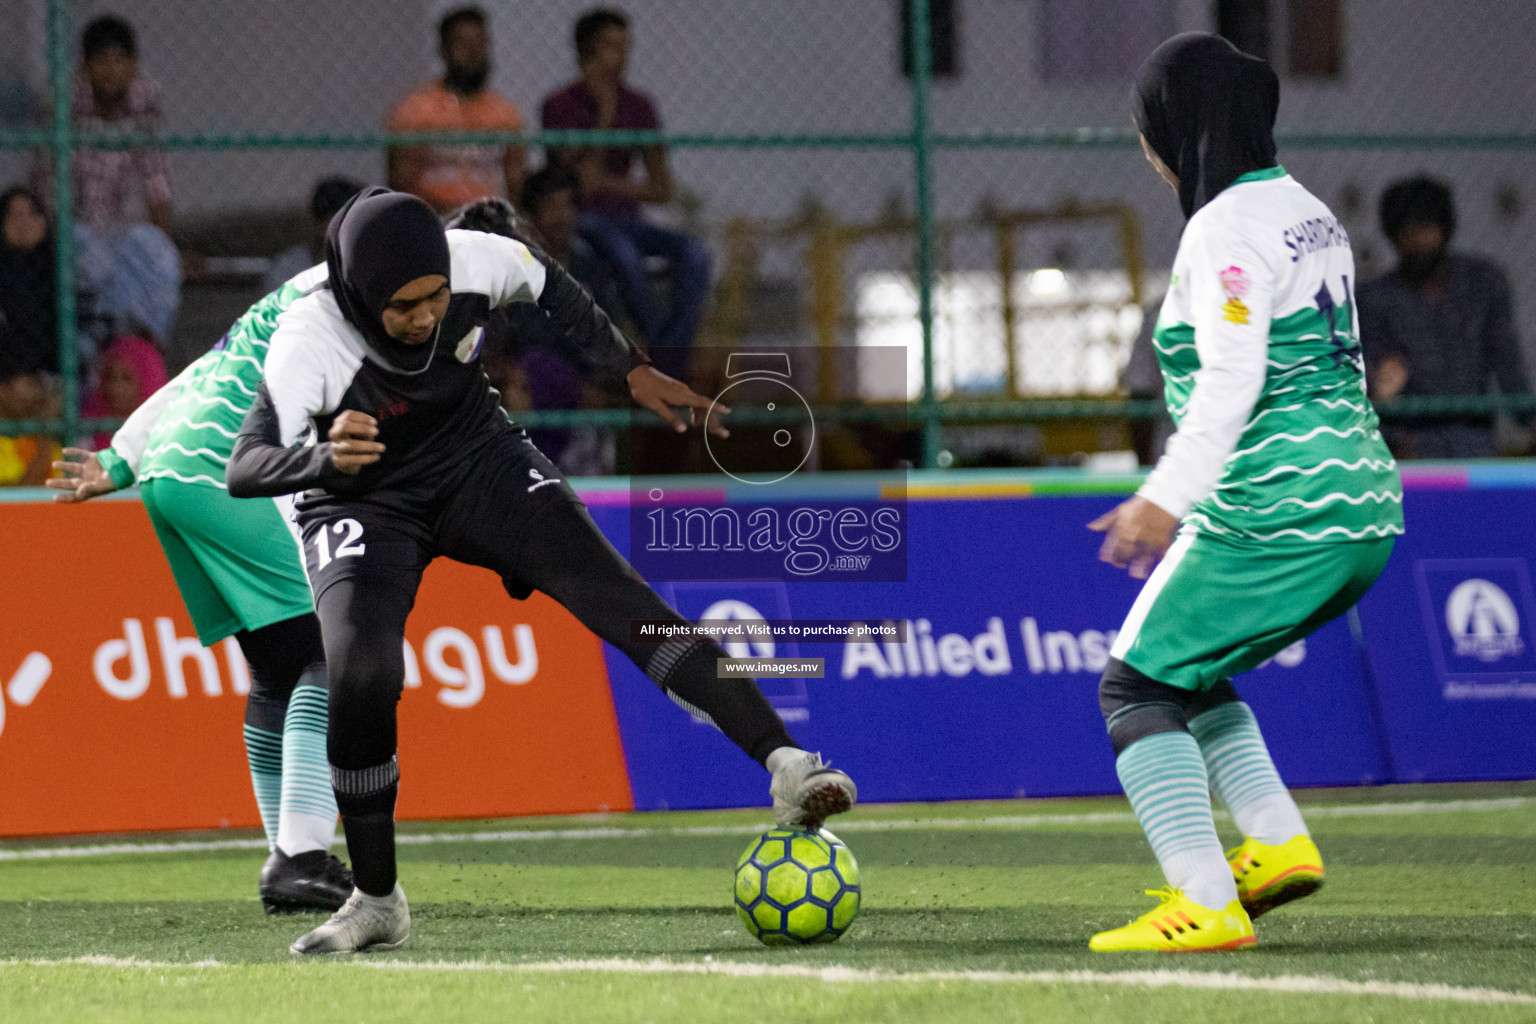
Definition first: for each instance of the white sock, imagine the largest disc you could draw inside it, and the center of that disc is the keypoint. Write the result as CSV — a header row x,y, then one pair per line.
x,y
307,817
1243,774
782,756
1272,819
395,896
299,833
1202,875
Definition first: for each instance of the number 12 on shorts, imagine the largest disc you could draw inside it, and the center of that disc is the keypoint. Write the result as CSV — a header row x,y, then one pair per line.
x,y
349,546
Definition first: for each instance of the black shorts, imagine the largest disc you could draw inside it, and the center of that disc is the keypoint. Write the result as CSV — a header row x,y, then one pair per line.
x,y
486,519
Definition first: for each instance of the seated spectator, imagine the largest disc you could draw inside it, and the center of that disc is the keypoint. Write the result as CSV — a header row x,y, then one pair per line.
x,y
131,370
132,268
330,195
549,202
611,198
530,362
28,460
449,176
18,104
1441,323
29,336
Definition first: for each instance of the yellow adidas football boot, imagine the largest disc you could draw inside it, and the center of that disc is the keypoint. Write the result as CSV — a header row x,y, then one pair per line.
x,y
1180,925
1271,876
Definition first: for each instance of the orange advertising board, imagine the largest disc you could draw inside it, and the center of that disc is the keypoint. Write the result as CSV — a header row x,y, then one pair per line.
x,y
114,718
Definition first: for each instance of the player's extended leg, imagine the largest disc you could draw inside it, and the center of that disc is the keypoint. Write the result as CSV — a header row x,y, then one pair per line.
x,y
285,725
1160,766
538,536
574,563
1278,862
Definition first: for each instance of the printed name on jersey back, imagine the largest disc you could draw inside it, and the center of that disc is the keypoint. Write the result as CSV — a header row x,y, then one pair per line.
x,y
1314,235
1308,463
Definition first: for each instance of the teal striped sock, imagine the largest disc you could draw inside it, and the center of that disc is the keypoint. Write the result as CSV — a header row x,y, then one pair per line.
x,y
1164,776
1243,774
264,753
308,818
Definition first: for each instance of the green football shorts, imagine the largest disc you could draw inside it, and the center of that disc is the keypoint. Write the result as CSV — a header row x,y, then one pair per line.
x,y
236,562
1216,607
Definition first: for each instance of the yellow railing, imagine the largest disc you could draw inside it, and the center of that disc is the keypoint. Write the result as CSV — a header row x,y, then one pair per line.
x,y
827,244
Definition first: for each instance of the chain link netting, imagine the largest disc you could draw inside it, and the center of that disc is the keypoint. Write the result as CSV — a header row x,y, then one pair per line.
x,y
798,162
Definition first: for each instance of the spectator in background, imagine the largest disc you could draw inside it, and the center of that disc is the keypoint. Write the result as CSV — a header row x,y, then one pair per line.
x,y
449,176
1441,323
29,336
18,104
111,96
612,198
132,268
131,370
549,201
27,461
330,195
529,360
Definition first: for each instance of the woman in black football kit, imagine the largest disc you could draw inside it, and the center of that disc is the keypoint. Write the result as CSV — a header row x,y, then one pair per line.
x,y
375,406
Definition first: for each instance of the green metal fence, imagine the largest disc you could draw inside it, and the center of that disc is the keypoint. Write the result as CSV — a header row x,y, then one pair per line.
x,y
938,140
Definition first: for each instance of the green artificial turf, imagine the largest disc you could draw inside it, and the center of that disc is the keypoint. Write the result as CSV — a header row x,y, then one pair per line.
x,y
1435,896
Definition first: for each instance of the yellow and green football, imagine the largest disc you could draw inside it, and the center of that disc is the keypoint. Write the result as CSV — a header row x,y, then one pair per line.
x,y
796,888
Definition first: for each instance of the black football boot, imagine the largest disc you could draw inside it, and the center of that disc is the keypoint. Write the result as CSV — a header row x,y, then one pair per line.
x,y
313,880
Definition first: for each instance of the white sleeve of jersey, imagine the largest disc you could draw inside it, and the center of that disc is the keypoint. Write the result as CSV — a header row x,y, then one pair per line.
x,y
500,268
132,437
308,368
1231,287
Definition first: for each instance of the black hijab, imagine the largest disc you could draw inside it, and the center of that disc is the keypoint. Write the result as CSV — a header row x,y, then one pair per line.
x,y
29,338
379,242
1208,111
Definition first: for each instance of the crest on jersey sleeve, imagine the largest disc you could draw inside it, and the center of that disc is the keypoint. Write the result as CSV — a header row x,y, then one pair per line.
x,y
469,346
1235,283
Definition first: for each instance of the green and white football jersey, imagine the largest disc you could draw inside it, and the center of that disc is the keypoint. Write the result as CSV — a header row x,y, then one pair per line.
x,y
1258,340
187,429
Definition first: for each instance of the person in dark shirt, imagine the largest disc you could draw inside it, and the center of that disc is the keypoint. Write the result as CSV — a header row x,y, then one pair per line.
x,y
1440,323
330,195
551,202
611,198
29,331
374,404
528,358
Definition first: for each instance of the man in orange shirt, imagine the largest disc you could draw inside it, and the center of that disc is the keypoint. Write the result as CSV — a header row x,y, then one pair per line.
x,y
447,177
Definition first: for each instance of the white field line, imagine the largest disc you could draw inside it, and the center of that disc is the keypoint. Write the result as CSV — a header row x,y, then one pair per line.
x,y
998,822
1288,984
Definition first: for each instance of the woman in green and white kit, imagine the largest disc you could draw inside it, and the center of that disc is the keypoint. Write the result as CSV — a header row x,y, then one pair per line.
x,y
1288,498
240,572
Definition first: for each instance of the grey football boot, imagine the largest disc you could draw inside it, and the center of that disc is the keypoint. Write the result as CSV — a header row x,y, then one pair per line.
x,y
806,791
363,922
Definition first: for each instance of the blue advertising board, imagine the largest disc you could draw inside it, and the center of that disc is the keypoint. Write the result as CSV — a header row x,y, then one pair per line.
x,y
994,693
1450,629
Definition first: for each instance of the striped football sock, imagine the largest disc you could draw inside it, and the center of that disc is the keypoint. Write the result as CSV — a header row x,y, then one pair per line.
x,y
1244,776
1164,776
264,753
308,818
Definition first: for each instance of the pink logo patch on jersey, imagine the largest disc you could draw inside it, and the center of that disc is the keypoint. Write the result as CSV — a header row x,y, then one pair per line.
x,y
1234,281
